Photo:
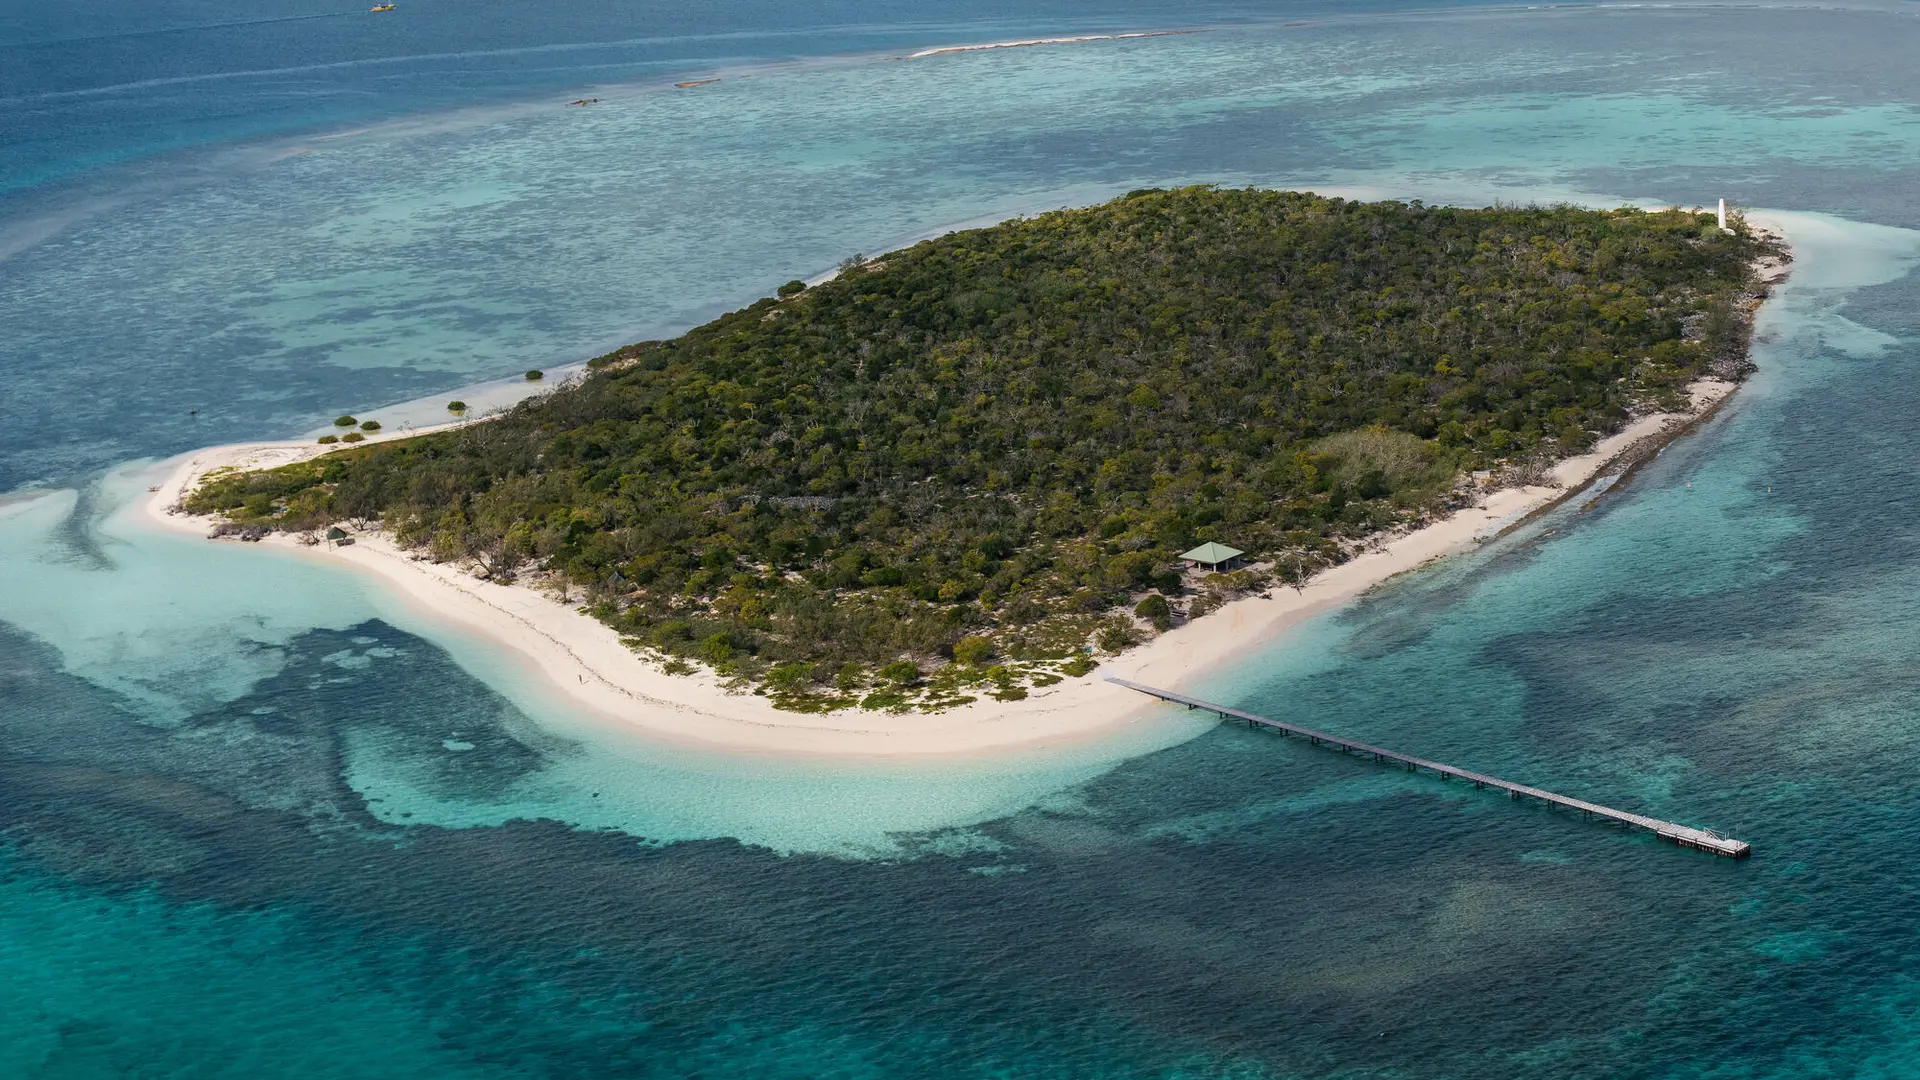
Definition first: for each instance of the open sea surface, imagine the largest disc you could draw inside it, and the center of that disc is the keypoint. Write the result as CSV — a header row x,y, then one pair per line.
x,y
258,819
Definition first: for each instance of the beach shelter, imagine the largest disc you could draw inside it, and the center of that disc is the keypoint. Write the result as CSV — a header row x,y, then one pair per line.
x,y
336,533
1212,556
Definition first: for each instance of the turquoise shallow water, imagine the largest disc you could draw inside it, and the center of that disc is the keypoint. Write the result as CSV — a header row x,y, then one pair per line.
x,y
259,822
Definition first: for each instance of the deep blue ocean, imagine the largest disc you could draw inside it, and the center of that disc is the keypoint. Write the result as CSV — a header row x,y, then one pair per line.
x,y
258,819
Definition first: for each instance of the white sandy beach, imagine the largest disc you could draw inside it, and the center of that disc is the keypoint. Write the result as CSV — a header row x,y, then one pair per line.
x,y
586,660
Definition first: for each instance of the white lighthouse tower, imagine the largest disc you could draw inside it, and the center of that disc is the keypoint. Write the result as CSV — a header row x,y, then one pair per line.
x,y
1723,215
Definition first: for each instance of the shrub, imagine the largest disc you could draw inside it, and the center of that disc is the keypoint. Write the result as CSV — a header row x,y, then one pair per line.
x,y
1115,636
456,407
1376,461
718,647
881,576
973,650
370,425
790,675
1155,610
353,436
793,288
901,673
535,374
1024,611
329,439
344,421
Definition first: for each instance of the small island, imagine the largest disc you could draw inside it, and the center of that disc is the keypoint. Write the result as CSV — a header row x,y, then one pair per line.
x,y
966,469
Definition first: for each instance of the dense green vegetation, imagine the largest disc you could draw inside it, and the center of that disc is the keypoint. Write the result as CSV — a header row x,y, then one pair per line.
x,y
989,448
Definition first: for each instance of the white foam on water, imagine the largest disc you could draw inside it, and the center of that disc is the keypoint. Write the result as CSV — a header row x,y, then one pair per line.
x,y
1024,43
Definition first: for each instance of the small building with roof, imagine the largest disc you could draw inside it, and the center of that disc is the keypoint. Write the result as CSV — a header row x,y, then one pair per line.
x,y
1213,557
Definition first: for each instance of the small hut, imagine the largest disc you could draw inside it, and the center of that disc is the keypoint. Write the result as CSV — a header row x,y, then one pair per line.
x,y
1213,557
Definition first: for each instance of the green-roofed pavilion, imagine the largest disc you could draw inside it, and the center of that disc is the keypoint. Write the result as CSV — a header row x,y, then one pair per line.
x,y
1213,556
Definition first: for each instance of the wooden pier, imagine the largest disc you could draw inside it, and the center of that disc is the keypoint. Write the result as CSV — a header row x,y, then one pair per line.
x,y
1686,837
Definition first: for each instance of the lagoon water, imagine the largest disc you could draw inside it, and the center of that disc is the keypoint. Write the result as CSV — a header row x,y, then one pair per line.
x,y
257,819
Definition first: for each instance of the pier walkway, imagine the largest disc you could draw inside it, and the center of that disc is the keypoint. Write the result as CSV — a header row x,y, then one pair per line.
x,y
1697,839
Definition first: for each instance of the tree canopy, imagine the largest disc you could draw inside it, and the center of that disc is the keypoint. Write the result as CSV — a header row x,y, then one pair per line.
x,y
1004,436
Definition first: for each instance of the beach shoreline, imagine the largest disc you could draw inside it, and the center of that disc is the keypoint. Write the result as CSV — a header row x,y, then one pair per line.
x,y
585,660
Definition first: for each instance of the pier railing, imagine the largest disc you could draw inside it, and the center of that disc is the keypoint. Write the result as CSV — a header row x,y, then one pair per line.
x,y
1683,835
